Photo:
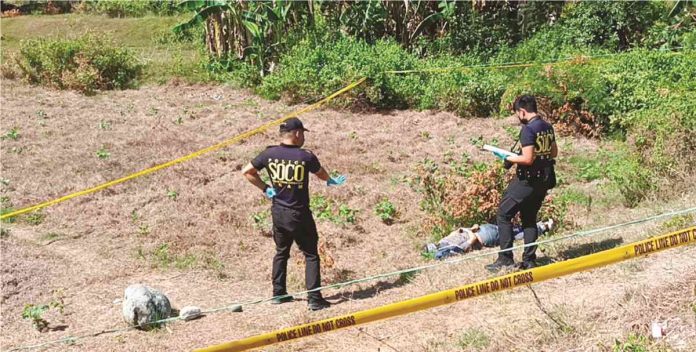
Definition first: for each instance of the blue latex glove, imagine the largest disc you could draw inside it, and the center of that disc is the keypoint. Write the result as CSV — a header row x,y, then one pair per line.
x,y
270,192
336,181
502,156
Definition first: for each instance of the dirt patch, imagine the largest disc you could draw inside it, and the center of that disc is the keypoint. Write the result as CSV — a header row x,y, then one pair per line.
x,y
189,230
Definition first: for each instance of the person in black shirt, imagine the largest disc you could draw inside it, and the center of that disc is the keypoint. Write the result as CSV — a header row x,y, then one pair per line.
x,y
288,167
534,177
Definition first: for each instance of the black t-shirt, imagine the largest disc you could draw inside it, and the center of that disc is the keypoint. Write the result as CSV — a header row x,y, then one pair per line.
x,y
538,133
288,168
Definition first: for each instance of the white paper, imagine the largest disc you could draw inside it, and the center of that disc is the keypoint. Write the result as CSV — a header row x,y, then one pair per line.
x,y
491,148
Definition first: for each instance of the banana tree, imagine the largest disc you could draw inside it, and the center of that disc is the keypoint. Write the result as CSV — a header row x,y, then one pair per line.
x,y
253,31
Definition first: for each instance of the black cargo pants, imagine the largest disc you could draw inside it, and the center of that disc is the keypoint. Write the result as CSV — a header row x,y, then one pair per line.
x,y
292,225
525,197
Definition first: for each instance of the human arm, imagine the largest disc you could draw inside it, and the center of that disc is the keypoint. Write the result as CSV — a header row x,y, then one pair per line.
x,y
323,175
525,159
554,150
252,175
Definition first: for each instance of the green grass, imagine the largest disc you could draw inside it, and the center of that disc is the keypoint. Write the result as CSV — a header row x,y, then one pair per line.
x,y
143,35
473,339
51,236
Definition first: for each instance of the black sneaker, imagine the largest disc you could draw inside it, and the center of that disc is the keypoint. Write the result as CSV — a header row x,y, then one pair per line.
x,y
282,299
500,264
318,304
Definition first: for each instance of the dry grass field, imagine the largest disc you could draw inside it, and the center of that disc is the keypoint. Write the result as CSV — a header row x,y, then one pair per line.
x,y
190,232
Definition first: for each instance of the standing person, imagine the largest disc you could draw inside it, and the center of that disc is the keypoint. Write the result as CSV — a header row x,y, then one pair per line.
x,y
288,167
534,177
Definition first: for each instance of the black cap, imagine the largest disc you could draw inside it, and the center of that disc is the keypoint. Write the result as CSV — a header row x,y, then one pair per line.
x,y
292,124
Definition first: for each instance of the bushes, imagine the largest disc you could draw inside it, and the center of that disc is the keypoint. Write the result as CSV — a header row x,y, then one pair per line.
x,y
458,193
314,69
660,152
84,64
128,8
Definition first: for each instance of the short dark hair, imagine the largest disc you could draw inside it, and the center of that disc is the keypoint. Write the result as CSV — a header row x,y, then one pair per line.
x,y
527,102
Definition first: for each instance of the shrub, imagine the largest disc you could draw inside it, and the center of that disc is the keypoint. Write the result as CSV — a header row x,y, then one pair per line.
x,y
85,64
128,8
634,180
35,314
386,211
458,193
325,209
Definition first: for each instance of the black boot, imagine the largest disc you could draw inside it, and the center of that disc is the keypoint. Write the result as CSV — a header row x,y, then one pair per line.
x,y
500,263
318,303
280,299
528,264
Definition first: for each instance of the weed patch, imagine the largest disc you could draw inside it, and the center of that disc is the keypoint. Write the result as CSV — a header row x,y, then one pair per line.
x,y
85,64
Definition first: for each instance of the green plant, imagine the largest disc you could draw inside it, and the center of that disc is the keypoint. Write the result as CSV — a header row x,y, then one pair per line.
x,y
4,232
406,278
213,263
473,339
172,194
161,255
129,8
6,208
346,214
163,258
103,153
321,207
630,176
587,168
134,216
85,64
51,236
35,218
386,211
35,314
104,125
262,222
143,230
633,343
12,134
325,209
679,222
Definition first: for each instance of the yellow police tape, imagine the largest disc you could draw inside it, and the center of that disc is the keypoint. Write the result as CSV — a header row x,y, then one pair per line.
x,y
187,157
506,282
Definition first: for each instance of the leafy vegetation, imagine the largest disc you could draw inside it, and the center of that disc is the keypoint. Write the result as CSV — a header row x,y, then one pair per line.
x,y
473,339
633,343
386,211
103,153
12,134
35,313
325,208
85,64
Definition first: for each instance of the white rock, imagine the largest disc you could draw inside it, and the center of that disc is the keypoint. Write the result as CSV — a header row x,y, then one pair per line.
x,y
142,305
189,313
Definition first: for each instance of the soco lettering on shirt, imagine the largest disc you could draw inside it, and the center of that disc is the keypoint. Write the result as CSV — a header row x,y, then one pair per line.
x,y
287,171
544,141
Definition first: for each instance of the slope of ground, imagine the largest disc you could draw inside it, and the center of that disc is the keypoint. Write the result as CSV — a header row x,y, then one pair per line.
x,y
146,36
190,231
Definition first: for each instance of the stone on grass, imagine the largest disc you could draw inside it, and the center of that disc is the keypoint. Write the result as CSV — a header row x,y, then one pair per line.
x,y
143,305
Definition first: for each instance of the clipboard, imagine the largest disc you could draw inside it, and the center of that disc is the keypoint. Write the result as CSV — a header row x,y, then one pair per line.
x,y
491,148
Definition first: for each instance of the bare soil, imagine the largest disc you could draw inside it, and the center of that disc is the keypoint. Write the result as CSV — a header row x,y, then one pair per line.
x,y
188,231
